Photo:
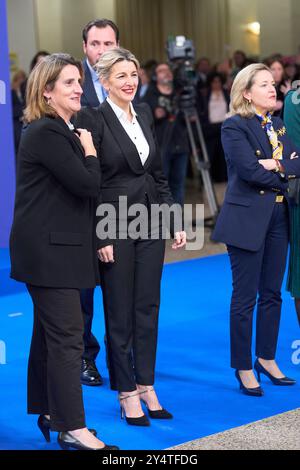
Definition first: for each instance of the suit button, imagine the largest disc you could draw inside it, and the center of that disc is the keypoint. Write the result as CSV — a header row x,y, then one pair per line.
x,y
288,190
261,192
258,153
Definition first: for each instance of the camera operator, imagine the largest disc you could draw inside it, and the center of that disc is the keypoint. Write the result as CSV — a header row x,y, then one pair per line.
x,y
170,129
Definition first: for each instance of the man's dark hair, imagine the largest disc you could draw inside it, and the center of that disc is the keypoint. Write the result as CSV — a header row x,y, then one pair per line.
x,y
36,57
102,23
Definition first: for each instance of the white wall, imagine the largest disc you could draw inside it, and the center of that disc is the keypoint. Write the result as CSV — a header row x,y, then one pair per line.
x,y
276,21
49,25
279,21
21,30
60,22
56,25
242,12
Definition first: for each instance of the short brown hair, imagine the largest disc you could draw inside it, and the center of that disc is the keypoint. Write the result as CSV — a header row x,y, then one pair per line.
x,y
101,23
44,75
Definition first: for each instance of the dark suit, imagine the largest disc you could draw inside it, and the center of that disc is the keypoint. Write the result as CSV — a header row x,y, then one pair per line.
x,y
53,250
131,285
255,229
89,99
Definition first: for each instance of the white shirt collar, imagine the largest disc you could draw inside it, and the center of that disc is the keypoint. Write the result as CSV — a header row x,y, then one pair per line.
x,y
119,111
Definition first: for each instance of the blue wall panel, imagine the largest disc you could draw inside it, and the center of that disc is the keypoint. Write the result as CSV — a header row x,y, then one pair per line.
x,y
7,163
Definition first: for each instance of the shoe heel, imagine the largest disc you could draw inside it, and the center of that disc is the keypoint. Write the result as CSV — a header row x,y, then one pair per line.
x,y
44,427
258,376
122,412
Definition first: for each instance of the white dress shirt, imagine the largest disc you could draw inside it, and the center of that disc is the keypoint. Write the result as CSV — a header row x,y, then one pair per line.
x,y
100,91
133,130
217,108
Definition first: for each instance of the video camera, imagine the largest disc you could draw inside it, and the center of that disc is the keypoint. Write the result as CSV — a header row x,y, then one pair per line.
x,y
181,56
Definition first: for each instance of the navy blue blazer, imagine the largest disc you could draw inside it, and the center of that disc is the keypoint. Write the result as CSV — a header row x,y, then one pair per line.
x,y
251,192
89,96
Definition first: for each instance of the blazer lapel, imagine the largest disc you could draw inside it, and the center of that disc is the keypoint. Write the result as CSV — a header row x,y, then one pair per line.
x,y
125,143
89,89
71,135
260,136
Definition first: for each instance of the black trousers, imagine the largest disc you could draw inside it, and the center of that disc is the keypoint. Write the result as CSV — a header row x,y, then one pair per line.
x,y
261,273
215,152
55,357
131,295
91,345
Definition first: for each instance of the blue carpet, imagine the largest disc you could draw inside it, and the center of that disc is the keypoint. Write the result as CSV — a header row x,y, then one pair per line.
x,y
193,379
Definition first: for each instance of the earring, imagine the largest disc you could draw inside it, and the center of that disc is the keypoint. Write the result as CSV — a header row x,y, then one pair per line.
x,y
249,101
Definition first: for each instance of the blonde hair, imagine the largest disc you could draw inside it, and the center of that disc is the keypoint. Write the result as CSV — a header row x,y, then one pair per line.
x,y
19,74
243,82
44,76
109,58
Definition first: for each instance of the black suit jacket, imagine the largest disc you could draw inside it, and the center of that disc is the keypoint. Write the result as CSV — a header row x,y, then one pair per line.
x,y
53,242
122,171
89,96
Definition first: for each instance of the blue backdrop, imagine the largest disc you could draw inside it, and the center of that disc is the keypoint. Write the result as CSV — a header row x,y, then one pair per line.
x,y
7,164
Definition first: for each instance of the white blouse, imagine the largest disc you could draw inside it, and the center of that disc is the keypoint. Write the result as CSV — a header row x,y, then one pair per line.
x,y
217,108
133,130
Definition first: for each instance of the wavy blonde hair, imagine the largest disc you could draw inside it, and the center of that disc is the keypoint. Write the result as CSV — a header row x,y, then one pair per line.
x,y
109,58
243,82
43,77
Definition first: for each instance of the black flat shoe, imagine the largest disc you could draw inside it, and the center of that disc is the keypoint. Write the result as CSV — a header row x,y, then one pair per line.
x,y
45,427
89,374
253,392
67,442
282,381
139,420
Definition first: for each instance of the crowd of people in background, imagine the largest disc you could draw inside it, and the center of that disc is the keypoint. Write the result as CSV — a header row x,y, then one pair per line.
x,y
212,84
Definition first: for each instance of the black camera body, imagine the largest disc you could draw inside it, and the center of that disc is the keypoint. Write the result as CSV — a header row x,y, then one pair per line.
x,y
181,56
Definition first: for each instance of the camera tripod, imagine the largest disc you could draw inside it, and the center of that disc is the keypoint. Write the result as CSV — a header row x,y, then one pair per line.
x,y
201,160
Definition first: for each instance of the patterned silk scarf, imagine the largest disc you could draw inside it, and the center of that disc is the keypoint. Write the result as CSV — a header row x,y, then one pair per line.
x,y
267,125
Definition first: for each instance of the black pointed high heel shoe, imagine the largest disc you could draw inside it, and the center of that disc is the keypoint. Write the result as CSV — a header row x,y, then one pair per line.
x,y
259,368
67,442
253,392
138,421
159,414
156,414
45,427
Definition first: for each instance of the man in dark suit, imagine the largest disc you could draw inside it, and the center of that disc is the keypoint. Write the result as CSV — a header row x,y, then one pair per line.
x,y
98,36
